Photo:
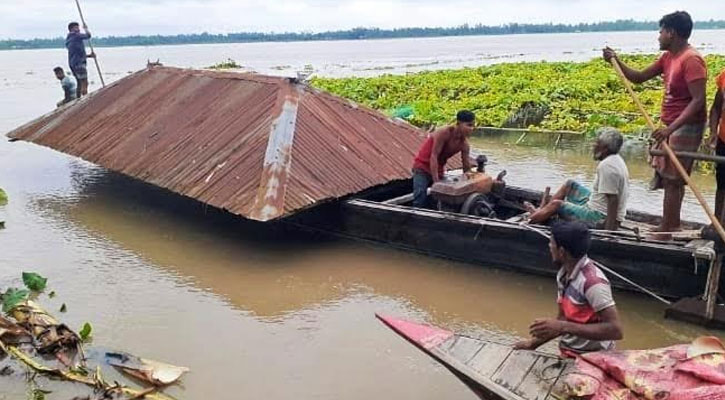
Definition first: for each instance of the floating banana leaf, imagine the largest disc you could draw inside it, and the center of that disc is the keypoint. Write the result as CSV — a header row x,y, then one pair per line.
x,y
155,372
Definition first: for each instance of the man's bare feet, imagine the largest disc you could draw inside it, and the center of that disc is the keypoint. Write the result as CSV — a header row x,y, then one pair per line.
x,y
662,233
661,228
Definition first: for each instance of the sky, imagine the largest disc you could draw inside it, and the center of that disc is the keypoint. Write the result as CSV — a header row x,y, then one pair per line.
x,y
49,18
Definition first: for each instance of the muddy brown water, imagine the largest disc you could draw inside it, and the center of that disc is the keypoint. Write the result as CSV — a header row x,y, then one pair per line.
x,y
253,313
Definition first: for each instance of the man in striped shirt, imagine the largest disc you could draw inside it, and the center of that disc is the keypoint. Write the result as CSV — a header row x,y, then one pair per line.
x,y
588,319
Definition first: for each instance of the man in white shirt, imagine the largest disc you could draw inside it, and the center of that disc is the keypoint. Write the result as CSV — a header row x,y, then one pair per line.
x,y
606,202
68,83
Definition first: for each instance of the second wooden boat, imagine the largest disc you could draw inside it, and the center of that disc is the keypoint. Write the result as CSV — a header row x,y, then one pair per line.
x,y
494,371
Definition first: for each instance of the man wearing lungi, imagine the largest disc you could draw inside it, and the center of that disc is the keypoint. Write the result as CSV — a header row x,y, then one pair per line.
x,y
683,107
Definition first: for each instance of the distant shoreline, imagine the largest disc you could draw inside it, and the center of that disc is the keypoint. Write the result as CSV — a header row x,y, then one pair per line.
x,y
352,34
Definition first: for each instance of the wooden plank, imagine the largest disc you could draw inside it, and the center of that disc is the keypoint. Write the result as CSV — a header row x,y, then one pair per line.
x,y
699,243
489,358
404,199
465,348
540,379
515,368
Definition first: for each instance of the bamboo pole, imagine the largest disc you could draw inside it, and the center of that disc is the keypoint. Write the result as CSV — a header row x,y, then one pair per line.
x,y
691,154
90,44
713,282
715,222
713,287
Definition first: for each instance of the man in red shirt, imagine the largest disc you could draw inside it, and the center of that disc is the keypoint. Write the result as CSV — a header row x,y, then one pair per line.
x,y
717,140
683,107
441,145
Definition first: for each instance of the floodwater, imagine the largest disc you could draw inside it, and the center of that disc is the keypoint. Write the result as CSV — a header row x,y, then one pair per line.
x,y
252,313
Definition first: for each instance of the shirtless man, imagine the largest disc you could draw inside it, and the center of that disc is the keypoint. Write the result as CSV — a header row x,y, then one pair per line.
x,y
441,145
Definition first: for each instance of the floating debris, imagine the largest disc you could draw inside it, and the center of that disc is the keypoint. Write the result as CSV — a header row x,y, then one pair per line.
x,y
34,337
227,64
34,281
154,372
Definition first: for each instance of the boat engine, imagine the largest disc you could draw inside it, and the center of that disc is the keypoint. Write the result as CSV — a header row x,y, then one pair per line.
x,y
473,193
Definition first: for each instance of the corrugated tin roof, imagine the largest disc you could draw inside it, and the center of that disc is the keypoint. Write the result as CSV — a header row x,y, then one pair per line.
x,y
260,147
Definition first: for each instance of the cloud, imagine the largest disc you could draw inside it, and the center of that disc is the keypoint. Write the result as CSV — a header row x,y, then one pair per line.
x,y
48,18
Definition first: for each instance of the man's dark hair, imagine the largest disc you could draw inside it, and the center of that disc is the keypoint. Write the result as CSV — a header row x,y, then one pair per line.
x,y
573,236
58,69
679,22
73,25
465,116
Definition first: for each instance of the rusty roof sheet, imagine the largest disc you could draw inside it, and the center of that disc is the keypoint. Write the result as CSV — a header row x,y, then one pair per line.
x,y
258,146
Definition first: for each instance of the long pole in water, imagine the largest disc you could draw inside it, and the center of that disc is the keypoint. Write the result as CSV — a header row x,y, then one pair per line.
x,y
90,44
671,154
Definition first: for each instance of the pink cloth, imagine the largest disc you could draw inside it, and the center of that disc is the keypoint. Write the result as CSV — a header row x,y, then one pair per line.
x,y
659,374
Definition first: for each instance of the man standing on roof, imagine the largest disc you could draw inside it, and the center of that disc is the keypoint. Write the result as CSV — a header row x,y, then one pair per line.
x,y
429,165
77,55
683,107
588,320
68,84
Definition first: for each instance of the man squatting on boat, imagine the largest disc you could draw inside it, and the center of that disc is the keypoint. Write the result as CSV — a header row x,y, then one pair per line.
x,y
588,319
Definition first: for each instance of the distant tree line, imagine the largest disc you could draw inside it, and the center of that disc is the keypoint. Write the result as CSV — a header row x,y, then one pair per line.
x,y
353,34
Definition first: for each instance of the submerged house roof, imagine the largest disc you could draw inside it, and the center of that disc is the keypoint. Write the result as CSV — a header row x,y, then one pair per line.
x,y
260,147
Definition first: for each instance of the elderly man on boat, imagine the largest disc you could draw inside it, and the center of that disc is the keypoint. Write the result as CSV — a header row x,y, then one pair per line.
x,y
606,202
588,319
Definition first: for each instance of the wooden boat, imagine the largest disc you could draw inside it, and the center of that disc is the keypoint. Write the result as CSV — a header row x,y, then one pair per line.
x,y
494,371
673,268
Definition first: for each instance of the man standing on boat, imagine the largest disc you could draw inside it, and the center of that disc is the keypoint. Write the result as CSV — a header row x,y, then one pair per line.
x,y
429,165
588,319
683,107
607,202
77,56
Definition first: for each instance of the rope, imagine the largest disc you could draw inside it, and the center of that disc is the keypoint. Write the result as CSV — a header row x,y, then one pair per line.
x,y
605,268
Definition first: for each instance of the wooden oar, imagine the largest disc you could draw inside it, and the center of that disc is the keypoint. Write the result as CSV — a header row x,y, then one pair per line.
x,y
715,222
90,44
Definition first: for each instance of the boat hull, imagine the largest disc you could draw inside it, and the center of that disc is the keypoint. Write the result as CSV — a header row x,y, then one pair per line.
x,y
670,269
493,371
